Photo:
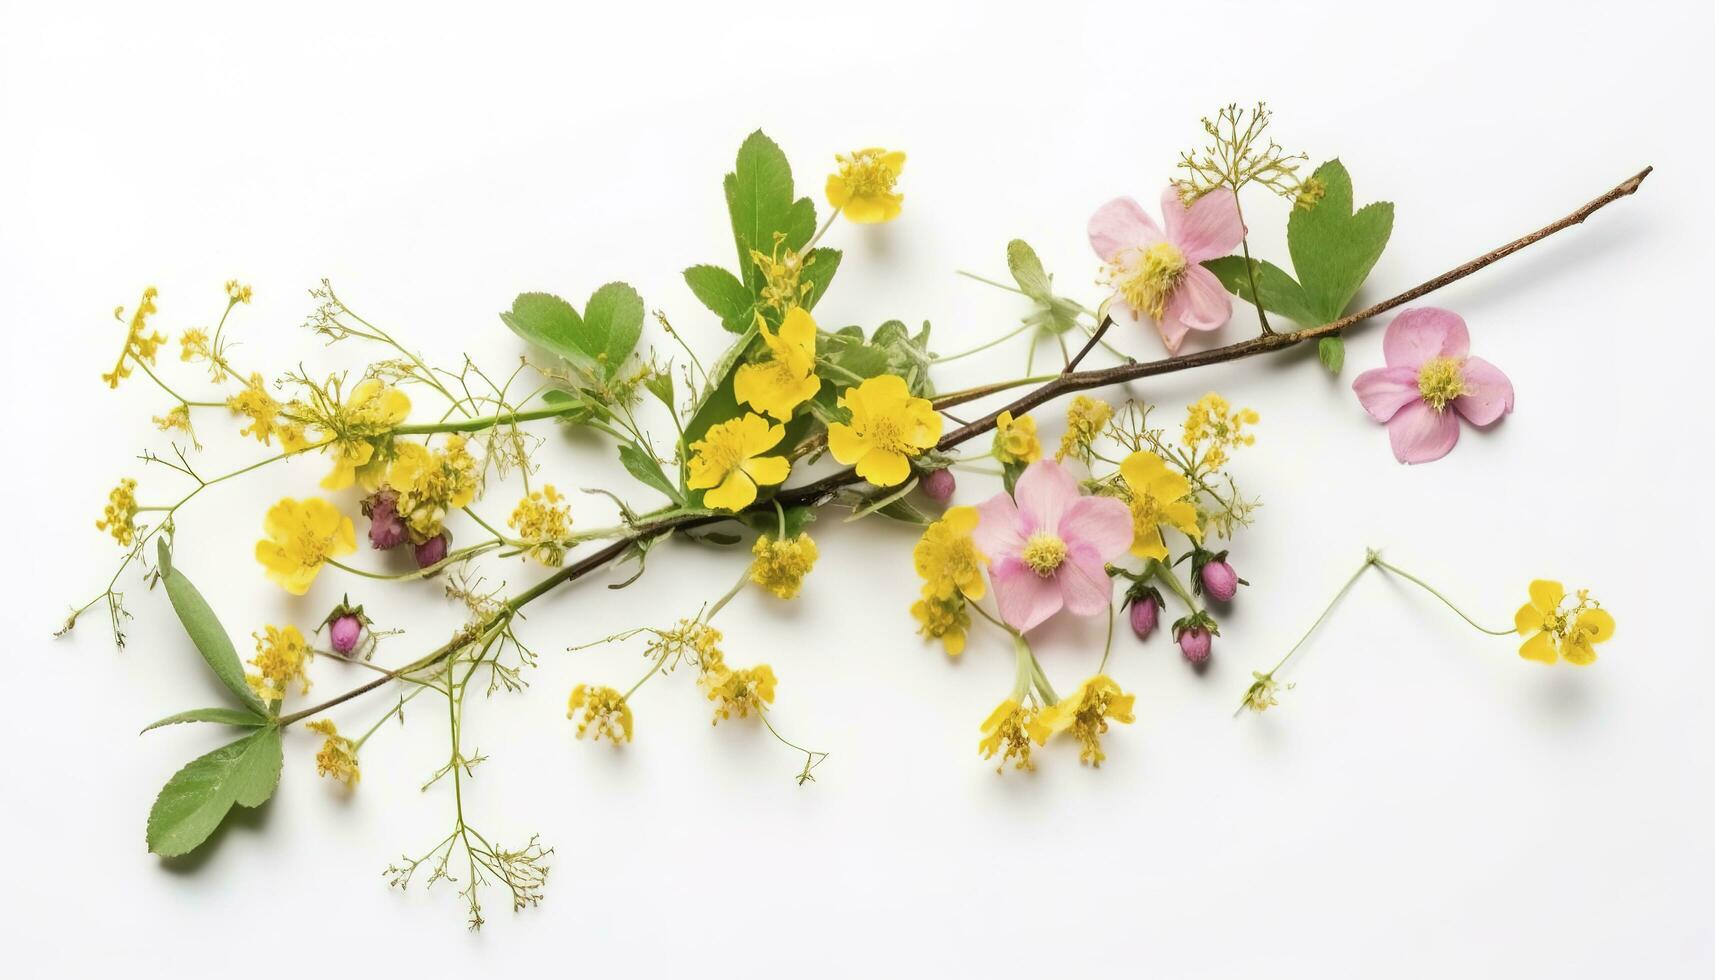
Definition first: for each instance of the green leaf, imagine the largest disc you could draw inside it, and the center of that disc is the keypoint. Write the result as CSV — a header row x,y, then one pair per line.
x,y
661,386
613,322
219,716
1333,249
198,797
647,469
550,323
759,198
819,268
1027,270
1280,293
1331,350
206,632
891,349
723,294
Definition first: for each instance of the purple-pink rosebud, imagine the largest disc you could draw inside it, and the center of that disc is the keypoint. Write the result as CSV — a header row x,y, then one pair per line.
x,y
939,485
1145,615
1220,582
386,527
432,551
344,632
1195,643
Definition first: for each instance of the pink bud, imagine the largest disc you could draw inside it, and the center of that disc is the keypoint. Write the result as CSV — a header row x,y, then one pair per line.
x,y
344,632
431,551
939,485
1145,614
1195,643
386,528
1220,582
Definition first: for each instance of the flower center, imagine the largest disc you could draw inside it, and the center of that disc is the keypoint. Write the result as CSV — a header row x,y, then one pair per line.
x,y
1147,285
865,175
1044,553
1440,381
885,433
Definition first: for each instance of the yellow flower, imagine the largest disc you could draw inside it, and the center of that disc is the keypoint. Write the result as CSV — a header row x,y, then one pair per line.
x,y
943,618
356,430
194,345
1157,498
302,534
1214,423
1085,713
729,464
255,403
888,427
1260,696
119,517
280,658
605,710
947,558
863,186
1009,729
1085,419
788,379
1552,632
544,521
237,293
337,756
780,566
177,419
739,691
140,343
1015,439
430,483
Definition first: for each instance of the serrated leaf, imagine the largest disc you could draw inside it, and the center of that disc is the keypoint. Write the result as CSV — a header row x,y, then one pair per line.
x,y
198,797
1331,351
237,717
205,631
820,266
613,322
1280,292
723,294
1333,249
759,199
1027,270
647,469
550,323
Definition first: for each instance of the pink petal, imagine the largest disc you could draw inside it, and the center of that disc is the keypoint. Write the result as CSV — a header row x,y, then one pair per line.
x,y
1420,434
1208,229
1199,302
1384,391
1083,581
1172,331
1419,334
1101,524
1044,492
1121,224
997,531
1025,598
1488,393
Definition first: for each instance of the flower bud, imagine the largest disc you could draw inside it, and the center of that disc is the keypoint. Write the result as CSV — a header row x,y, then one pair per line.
x,y
386,527
1195,643
1145,615
1220,582
431,551
939,485
344,632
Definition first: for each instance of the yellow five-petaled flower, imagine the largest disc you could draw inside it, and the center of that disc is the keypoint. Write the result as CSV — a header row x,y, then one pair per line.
x,y
863,186
788,379
729,464
302,535
889,426
1157,498
1551,632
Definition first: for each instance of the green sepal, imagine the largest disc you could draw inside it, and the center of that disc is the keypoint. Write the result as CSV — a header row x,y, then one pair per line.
x,y
198,797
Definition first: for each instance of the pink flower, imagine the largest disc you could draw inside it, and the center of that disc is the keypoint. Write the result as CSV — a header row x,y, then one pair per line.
x,y
1158,274
1429,370
1049,547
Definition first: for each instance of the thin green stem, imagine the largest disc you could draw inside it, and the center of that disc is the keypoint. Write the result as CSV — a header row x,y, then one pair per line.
x,y
1369,560
1425,586
943,359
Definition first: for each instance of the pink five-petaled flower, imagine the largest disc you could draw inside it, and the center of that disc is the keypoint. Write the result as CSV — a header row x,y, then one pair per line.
x,y
1429,371
1158,274
1049,547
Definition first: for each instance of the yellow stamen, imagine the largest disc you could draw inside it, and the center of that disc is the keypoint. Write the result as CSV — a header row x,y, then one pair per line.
x,y
1044,553
1440,381
1146,286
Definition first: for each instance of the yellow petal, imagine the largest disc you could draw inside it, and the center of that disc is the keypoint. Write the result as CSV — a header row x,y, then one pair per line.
x,y
1147,543
767,470
838,194
1527,620
953,641
1539,648
1546,595
1140,469
799,330
1577,650
1597,624
894,161
962,519
735,493
845,444
883,468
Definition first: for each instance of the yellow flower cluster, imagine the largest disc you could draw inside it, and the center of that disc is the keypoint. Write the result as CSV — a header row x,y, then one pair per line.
x,y
739,691
358,432
1157,499
605,711
1212,423
140,343
863,187
119,517
301,536
783,283
1015,439
281,655
777,386
1554,631
780,565
1085,419
263,411
728,462
338,755
237,293
888,427
177,419
1010,729
1085,713
543,520
432,482
951,567
1260,696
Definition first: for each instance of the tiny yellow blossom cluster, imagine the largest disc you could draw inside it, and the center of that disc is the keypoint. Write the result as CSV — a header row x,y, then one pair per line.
x,y
195,346
740,691
338,755
264,412
237,292
780,565
119,517
176,419
140,342
281,655
1216,428
1555,631
947,559
784,286
1015,440
543,520
1010,729
1085,713
1086,417
1260,696
605,712
430,483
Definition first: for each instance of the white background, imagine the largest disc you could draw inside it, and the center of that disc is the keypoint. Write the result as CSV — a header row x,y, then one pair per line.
x,y
1424,803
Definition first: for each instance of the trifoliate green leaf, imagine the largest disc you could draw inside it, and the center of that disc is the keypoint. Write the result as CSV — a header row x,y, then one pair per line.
x,y
1333,249
206,633
198,797
723,294
598,341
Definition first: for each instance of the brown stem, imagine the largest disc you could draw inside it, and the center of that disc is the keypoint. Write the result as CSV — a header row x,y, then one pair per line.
x,y
819,491
1095,338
